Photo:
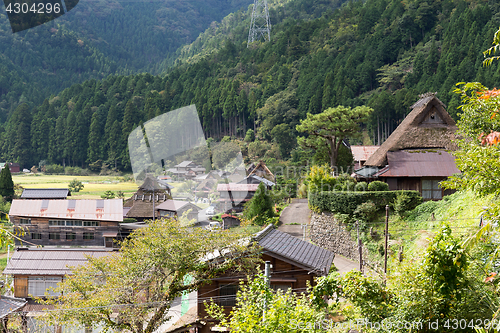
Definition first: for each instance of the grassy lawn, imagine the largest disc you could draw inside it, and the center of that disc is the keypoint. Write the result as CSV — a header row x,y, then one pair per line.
x,y
94,186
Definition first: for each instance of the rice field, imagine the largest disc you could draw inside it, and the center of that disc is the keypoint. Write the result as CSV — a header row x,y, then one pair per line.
x,y
94,186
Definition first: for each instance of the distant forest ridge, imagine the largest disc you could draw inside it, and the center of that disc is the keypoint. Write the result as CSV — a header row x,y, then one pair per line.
x,y
96,39
380,53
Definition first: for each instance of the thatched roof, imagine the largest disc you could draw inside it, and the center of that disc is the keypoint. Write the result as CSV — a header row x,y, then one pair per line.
x,y
428,125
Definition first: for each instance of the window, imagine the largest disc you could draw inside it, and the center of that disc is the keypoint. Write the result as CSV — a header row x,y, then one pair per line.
x,y
36,235
228,294
37,285
70,235
431,190
88,235
90,223
24,221
56,223
54,235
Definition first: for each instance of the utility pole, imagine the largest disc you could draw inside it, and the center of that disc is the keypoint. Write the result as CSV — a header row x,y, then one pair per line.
x,y
260,25
267,274
386,236
360,249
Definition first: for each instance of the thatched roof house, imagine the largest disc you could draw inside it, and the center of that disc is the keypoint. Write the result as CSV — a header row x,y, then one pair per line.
x,y
428,125
416,155
140,205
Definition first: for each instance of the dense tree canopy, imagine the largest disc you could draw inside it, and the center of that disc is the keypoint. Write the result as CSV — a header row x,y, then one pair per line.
x,y
140,281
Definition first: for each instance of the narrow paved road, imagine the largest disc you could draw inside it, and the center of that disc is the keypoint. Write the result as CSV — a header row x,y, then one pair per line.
x,y
298,212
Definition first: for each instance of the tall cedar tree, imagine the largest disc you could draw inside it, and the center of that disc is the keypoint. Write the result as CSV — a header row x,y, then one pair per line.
x,y
260,207
6,183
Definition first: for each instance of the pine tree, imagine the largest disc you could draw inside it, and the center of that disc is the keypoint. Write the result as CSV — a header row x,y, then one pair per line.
x,y
6,183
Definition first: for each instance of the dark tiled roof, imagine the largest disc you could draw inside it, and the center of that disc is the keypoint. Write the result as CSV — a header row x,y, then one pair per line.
x,y
45,193
10,304
307,255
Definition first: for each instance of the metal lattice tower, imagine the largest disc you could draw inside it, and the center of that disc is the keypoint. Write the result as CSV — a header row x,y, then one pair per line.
x,y
260,25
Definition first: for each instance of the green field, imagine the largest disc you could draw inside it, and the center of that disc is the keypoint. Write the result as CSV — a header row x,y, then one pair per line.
x,y
94,186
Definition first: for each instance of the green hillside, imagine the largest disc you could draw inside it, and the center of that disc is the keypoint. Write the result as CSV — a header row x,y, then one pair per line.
x,y
97,39
381,53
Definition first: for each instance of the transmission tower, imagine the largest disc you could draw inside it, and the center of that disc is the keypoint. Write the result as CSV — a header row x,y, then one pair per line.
x,y
260,25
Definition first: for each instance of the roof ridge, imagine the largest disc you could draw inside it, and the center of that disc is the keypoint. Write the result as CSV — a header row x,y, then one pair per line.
x,y
263,233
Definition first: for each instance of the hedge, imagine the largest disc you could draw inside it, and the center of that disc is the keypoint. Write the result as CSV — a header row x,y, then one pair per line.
x,y
347,202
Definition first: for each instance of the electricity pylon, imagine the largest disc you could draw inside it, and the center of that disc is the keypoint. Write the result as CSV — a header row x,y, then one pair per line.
x,y
260,25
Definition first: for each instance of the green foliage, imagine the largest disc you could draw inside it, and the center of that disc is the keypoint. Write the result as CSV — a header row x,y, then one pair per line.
x,y
347,202
260,207
331,127
76,186
54,169
250,136
378,186
403,203
155,262
361,186
6,183
320,179
285,311
108,195
365,212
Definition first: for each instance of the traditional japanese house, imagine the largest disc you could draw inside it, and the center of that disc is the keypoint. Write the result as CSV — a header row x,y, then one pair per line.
x,y
416,156
295,263
67,222
149,195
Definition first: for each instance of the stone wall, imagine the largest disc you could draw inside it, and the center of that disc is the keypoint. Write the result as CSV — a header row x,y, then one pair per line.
x,y
329,234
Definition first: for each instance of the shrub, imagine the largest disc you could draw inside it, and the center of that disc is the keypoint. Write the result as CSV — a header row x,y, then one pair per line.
x,y
320,179
75,185
54,169
361,186
404,203
347,202
365,211
378,186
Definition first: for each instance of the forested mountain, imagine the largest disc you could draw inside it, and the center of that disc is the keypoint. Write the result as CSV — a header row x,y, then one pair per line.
x,y
96,39
380,52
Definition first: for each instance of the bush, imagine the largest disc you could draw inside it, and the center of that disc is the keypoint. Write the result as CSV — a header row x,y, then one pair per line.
x,y
378,186
361,186
75,185
347,202
403,203
54,169
365,211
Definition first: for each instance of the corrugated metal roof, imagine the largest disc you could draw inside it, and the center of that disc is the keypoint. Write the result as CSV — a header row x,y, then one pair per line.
x,y
294,249
50,261
60,209
362,153
45,193
420,163
237,187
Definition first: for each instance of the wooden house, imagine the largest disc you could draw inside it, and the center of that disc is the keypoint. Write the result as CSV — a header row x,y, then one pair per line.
x,y
186,170
233,196
175,208
13,167
361,154
67,222
151,193
36,269
260,169
416,156
295,263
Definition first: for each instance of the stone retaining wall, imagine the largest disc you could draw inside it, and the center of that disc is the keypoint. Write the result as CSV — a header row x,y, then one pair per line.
x,y
329,234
